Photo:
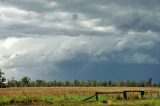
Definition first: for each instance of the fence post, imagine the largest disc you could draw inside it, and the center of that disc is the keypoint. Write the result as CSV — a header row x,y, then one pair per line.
x,y
125,95
96,96
142,94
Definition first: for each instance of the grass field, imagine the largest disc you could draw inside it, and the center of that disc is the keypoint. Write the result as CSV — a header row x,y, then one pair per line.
x,y
74,96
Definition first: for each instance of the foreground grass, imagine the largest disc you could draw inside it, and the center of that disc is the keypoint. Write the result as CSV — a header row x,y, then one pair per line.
x,y
73,100
73,96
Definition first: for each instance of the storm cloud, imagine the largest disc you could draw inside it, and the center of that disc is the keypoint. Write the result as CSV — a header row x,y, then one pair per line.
x,y
80,39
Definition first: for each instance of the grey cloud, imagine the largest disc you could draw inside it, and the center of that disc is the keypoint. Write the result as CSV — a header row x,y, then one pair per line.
x,y
30,5
42,19
61,35
49,53
138,15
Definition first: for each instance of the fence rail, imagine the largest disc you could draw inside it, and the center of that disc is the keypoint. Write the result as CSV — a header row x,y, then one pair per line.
x,y
142,92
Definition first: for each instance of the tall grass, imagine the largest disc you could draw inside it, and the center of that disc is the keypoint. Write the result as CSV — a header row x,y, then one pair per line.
x,y
73,97
77,100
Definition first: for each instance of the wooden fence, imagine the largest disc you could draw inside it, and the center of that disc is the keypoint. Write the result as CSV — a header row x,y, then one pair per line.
x,y
142,92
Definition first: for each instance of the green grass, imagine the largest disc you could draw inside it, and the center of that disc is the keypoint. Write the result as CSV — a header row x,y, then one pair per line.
x,y
75,100
5,100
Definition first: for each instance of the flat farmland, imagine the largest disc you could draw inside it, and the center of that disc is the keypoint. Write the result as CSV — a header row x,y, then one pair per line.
x,y
73,96
69,90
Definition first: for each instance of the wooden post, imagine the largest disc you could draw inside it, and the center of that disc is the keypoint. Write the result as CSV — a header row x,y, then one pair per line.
x,y
89,98
96,96
125,95
142,94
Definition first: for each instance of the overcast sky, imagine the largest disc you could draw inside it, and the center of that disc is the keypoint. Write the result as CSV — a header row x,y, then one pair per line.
x,y
80,39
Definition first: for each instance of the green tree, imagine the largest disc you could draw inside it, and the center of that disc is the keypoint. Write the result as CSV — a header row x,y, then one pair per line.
x,y
25,81
40,83
149,82
110,83
76,83
2,79
83,83
94,83
12,82
32,83
159,84
67,83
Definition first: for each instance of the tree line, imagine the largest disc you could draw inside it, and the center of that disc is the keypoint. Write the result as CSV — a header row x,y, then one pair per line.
x,y
27,82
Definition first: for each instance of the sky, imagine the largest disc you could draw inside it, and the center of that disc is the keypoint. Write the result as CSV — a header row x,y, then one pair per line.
x,y
80,39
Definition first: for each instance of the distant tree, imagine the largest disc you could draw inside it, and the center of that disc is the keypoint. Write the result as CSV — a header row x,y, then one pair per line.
x,y
50,84
2,79
60,83
149,82
54,83
99,83
25,81
155,85
89,83
83,83
94,83
110,83
133,83
32,83
143,84
159,84
12,83
76,83
67,83
40,83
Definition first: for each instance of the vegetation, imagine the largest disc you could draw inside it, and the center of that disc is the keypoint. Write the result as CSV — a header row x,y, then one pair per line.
x,y
26,82
2,79
73,96
74,101
73,93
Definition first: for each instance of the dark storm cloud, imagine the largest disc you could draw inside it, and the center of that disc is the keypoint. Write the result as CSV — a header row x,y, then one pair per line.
x,y
138,15
124,16
71,37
